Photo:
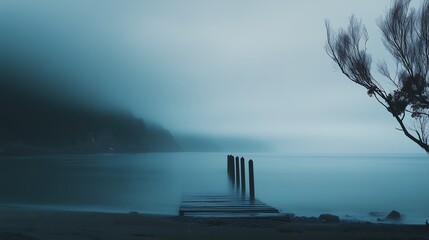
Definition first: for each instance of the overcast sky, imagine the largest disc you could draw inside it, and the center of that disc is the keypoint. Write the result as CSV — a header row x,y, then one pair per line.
x,y
254,69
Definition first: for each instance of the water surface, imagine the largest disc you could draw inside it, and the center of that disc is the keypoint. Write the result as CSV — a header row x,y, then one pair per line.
x,y
348,185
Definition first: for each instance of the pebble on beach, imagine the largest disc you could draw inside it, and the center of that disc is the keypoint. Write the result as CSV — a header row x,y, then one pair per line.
x,y
329,218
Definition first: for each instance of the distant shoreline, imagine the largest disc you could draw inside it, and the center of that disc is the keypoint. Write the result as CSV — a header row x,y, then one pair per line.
x,y
76,153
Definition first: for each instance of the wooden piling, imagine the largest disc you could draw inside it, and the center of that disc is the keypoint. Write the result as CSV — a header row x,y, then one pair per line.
x,y
228,166
251,180
243,177
237,172
232,170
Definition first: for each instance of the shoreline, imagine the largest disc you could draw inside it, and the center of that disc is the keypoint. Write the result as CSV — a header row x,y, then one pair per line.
x,y
38,224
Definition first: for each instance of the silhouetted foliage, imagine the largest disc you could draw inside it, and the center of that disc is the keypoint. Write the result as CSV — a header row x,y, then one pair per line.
x,y
405,94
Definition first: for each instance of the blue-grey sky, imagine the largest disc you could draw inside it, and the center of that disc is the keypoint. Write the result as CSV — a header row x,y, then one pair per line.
x,y
253,69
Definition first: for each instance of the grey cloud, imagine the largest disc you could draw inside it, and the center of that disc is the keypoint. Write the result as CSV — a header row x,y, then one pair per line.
x,y
246,68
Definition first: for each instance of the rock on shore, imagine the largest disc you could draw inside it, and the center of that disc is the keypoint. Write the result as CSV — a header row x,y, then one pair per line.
x,y
329,218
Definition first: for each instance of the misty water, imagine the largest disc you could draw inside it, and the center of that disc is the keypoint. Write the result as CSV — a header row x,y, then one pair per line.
x,y
350,186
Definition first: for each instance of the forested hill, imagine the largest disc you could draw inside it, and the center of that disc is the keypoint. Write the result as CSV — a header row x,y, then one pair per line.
x,y
33,123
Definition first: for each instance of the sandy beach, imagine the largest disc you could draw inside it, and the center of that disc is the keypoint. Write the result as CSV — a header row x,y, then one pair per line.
x,y
31,224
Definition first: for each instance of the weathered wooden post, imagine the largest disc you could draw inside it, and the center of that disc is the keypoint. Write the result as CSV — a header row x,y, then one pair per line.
x,y
229,166
232,170
251,180
243,177
237,172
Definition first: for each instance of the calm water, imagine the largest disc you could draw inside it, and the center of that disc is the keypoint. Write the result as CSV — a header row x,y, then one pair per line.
x,y
348,185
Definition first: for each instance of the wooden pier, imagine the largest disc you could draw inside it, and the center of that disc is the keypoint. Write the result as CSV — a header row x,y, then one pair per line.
x,y
228,205
223,206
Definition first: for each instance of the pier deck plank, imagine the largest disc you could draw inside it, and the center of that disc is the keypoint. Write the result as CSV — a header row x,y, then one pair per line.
x,y
223,205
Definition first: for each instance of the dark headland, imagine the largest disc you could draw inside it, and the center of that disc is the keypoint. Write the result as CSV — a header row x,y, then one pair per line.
x,y
35,122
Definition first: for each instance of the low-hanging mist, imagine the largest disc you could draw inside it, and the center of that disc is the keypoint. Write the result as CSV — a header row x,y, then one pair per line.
x,y
254,71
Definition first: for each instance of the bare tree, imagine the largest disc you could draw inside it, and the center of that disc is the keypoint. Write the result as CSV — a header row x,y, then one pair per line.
x,y
405,93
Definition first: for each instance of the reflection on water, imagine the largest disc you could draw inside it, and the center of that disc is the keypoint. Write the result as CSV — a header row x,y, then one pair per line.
x,y
155,183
